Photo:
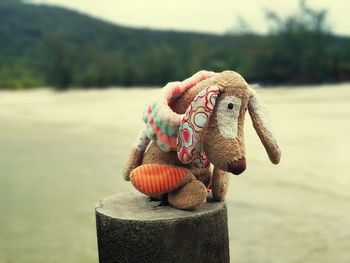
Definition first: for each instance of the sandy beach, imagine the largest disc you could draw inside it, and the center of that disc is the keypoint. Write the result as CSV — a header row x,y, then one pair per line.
x,y
60,152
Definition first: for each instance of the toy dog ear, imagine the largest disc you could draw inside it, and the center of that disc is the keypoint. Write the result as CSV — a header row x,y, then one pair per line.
x,y
261,122
189,144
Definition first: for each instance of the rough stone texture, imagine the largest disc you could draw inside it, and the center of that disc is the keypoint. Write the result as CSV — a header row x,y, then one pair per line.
x,y
130,228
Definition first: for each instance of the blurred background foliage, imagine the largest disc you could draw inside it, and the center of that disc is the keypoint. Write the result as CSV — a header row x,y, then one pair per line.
x,y
51,46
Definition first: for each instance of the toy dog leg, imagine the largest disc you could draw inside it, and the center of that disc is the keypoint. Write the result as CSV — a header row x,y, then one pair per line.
x,y
219,184
189,196
202,174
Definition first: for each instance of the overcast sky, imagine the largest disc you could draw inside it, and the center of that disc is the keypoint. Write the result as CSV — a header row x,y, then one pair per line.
x,y
216,16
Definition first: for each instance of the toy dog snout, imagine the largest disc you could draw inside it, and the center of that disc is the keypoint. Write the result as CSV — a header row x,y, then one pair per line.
x,y
237,167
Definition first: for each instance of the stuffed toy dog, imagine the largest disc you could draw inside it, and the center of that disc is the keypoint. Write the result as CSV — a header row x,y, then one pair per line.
x,y
195,123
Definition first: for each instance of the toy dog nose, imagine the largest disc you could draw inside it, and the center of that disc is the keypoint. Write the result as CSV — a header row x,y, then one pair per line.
x,y
237,167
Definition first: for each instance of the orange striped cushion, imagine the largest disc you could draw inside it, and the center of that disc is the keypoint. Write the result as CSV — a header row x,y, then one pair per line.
x,y
153,179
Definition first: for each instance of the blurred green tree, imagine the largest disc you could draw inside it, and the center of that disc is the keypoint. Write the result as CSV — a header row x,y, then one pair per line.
x,y
59,62
45,45
298,47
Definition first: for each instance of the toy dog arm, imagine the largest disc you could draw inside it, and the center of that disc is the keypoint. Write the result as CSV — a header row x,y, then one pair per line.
x,y
219,184
136,155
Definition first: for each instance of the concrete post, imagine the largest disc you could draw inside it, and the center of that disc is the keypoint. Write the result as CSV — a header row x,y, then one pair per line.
x,y
130,228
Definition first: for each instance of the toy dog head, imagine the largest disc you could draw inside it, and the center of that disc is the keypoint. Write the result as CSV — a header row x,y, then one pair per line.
x,y
202,118
211,130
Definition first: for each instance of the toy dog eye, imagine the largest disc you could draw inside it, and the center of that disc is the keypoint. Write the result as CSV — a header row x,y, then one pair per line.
x,y
230,106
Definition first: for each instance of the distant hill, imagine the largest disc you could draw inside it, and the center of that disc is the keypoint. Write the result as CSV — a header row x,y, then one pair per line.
x,y
46,45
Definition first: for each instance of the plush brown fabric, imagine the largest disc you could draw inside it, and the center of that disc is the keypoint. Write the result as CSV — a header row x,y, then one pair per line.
x,y
134,160
270,145
237,166
155,155
261,123
189,196
182,103
225,152
219,184
202,174
219,150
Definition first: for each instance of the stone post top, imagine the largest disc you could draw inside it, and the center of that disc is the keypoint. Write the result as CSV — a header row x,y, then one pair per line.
x,y
136,207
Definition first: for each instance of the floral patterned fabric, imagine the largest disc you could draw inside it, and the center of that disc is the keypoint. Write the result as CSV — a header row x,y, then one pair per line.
x,y
162,124
189,143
